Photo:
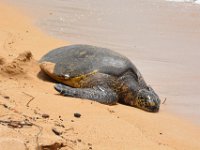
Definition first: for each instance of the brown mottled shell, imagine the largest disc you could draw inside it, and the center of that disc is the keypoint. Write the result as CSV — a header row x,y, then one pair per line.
x,y
71,64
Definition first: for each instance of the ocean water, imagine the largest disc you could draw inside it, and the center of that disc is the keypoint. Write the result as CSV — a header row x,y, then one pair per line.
x,y
161,38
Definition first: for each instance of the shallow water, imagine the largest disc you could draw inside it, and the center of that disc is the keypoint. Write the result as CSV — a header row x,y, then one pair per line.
x,y
161,38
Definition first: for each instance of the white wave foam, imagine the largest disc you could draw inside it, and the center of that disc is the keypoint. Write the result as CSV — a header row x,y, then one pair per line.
x,y
197,1
193,1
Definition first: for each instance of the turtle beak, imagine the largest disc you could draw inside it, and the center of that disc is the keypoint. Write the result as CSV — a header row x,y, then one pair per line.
x,y
154,109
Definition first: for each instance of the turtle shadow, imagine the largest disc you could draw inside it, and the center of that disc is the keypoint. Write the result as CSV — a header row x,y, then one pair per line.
x,y
41,75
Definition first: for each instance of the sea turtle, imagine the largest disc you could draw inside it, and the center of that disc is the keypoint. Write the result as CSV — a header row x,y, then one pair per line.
x,y
98,74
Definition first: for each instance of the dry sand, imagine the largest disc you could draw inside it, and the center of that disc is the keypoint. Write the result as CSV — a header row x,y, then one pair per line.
x,y
26,94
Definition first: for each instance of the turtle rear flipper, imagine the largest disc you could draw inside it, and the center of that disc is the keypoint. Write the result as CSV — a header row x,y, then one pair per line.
x,y
96,94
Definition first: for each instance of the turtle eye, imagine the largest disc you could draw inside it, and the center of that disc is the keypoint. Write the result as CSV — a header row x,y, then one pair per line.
x,y
141,98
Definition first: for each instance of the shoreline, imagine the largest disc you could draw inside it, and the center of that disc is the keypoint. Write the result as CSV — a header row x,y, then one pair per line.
x,y
152,41
100,126
190,117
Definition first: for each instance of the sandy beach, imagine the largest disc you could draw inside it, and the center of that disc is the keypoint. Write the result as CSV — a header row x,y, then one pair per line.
x,y
161,38
34,116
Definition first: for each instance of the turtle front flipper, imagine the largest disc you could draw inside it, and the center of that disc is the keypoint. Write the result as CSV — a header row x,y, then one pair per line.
x,y
98,94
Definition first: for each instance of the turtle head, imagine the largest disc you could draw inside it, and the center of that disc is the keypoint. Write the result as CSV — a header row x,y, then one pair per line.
x,y
148,100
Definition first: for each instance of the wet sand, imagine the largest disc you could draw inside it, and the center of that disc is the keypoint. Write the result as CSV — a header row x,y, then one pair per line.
x,y
26,95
